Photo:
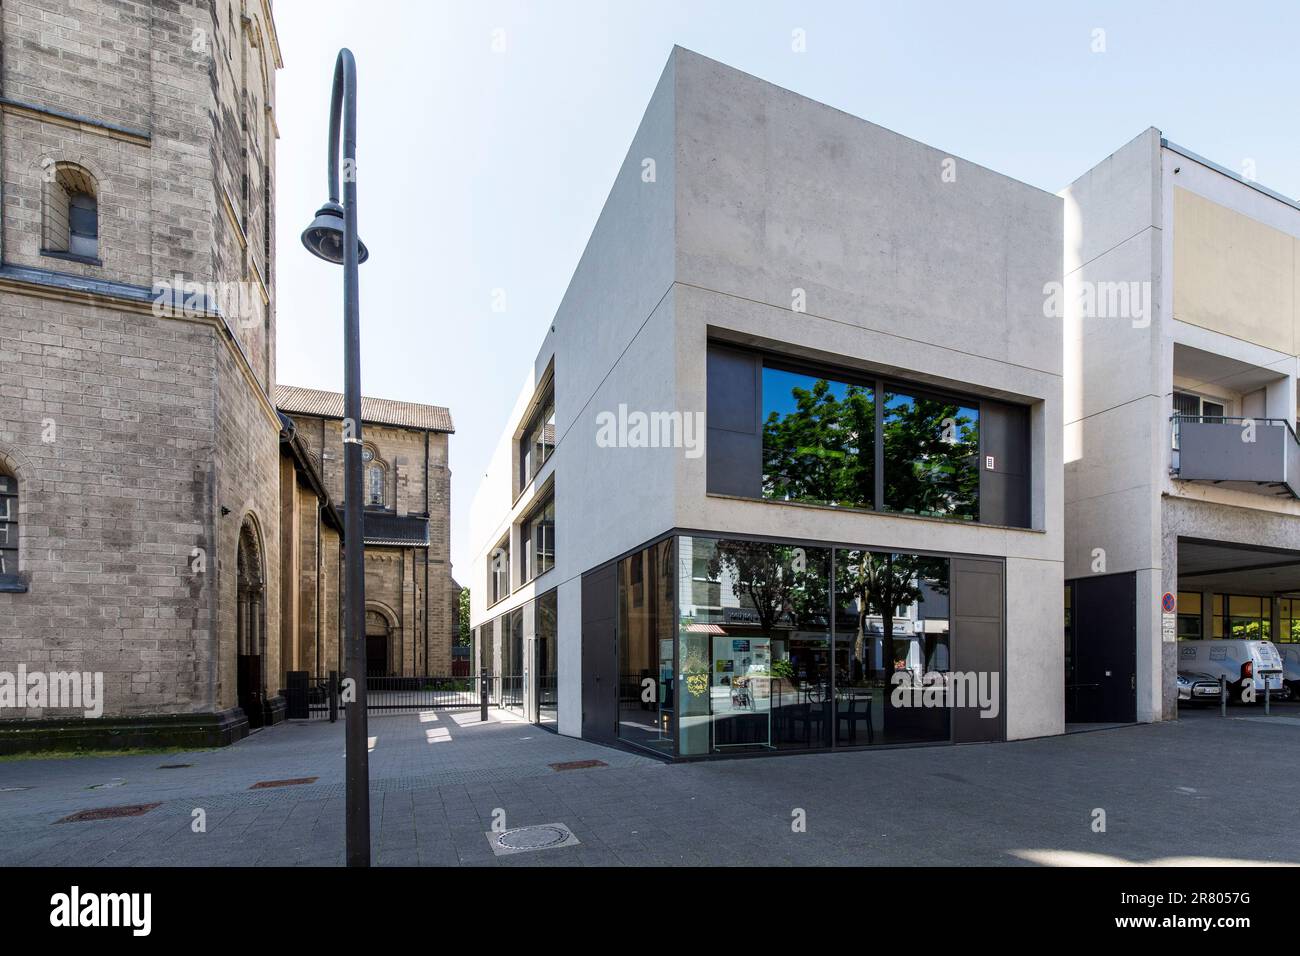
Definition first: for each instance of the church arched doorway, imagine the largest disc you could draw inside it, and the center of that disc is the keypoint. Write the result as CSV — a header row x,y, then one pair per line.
x,y
250,626
378,636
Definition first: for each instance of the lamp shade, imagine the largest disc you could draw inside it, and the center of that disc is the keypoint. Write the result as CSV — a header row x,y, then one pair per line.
x,y
324,237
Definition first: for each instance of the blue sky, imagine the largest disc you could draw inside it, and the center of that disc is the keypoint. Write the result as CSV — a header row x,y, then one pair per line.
x,y
481,170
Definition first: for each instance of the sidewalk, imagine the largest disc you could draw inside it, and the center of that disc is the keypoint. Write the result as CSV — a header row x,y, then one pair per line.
x,y
440,780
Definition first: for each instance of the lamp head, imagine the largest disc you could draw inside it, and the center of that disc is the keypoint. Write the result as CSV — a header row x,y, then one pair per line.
x,y
324,237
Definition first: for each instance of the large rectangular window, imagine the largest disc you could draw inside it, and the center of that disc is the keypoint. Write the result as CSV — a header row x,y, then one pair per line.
x,y
498,571
891,641
785,431
511,626
546,634
1189,616
647,625
1288,621
932,447
1242,616
538,441
818,439
538,537
755,659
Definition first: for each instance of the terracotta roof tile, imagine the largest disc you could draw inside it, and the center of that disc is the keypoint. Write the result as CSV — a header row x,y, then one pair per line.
x,y
377,411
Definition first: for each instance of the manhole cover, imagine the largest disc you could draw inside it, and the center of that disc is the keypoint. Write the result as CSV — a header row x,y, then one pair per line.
x,y
544,836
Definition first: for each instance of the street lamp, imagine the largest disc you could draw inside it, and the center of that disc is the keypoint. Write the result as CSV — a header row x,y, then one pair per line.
x,y
332,236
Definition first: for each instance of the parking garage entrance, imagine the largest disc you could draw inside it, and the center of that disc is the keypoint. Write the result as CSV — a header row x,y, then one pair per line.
x,y
1229,591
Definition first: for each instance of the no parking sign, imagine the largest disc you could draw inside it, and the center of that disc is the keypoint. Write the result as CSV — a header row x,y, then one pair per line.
x,y
1169,619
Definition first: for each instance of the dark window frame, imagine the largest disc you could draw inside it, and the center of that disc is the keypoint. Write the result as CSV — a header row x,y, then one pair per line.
x,y
544,412
10,521
529,565
497,577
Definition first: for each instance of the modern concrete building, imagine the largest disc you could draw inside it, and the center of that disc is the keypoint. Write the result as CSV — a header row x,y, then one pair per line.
x,y
793,437
1182,471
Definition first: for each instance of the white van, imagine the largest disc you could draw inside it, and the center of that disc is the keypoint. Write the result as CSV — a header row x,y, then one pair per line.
x,y
1235,660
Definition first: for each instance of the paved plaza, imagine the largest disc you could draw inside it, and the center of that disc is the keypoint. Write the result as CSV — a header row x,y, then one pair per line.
x,y
1172,792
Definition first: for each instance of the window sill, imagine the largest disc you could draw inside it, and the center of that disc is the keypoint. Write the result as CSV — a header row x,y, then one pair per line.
x,y
12,586
538,577
871,511
72,257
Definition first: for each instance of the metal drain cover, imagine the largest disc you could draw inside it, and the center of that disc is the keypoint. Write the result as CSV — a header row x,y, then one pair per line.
x,y
543,836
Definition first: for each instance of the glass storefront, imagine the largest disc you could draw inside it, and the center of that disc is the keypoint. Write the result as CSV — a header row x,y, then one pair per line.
x,y
763,666
646,629
892,644
519,650
545,633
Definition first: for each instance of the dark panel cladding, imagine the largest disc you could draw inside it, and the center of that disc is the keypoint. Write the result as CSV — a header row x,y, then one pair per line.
x,y
1004,488
599,655
979,643
735,435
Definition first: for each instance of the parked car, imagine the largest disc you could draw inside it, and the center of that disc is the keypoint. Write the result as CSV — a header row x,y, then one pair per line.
x,y
1197,688
1236,660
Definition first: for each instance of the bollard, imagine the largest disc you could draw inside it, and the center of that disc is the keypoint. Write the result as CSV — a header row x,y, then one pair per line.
x,y
1223,696
1266,695
334,697
483,694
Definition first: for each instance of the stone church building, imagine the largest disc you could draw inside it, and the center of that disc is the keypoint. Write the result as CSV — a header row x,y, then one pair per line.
x,y
169,518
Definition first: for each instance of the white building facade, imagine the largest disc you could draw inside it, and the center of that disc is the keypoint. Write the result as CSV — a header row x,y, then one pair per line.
x,y
790,450
1182,470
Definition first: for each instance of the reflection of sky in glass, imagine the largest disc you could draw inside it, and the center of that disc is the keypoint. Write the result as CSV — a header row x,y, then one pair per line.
x,y
779,386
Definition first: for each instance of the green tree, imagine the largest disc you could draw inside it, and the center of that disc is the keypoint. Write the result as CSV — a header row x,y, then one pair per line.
x,y
465,636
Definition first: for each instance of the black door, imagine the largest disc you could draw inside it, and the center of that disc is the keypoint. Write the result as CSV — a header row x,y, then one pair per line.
x,y
1101,650
248,688
376,655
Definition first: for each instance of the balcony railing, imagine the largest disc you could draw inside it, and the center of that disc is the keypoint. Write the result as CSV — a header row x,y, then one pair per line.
x,y
1260,455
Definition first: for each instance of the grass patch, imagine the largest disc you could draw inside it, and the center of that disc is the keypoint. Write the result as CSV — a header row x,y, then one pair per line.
x,y
124,752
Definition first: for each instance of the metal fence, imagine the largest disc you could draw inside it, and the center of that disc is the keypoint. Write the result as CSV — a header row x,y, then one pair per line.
x,y
421,693
322,698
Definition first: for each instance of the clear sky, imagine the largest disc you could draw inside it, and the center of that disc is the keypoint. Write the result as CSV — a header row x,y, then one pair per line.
x,y
483,169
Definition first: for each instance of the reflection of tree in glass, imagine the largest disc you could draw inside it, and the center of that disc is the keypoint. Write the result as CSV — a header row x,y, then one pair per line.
x,y
881,583
931,456
784,585
823,450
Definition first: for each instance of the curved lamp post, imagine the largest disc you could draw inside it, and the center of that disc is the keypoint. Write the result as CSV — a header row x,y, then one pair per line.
x,y
332,236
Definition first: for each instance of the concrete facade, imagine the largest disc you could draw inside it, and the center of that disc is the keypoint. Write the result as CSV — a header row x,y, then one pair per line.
x,y
736,200
1180,280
